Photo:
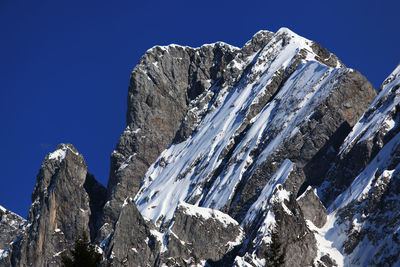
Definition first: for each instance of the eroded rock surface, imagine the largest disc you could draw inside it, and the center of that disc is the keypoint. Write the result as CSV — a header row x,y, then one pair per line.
x,y
312,207
195,230
62,207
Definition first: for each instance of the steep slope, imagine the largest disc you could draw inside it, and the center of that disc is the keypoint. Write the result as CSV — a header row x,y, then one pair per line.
x,y
66,201
212,127
364,220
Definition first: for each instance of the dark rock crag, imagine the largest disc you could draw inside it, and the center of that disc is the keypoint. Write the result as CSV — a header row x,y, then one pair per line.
x,y
66,201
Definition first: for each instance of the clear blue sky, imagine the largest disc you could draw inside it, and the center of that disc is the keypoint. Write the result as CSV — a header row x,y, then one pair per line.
x,y
65,65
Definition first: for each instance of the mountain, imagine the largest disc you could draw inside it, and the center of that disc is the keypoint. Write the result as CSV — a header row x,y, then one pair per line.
x,y
270,154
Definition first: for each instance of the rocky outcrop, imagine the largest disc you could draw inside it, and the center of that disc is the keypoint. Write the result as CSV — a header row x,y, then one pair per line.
x,y
312,207
219,146
11,225
66,201
134,241
195,230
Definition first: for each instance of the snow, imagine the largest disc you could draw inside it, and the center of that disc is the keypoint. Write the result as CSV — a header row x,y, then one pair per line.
x,y
335,232
207,213
328,242
161,238
60,153
126,162
175,46
239,239
99,249
305,192
3,209
244,261
127,201
58,254
3,253
107,239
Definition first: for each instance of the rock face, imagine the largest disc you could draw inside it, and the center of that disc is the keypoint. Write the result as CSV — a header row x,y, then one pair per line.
x,y
195,230
312,207
267,155
66,201
162,89
132,242
10,225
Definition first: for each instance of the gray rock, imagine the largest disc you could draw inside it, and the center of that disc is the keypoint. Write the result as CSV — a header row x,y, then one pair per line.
x,y
326,261
63,206
166,80
11,227
133,242
366,175
312,207
196,230
173,87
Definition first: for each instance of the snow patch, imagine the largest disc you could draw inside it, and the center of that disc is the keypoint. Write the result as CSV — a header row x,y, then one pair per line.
x,y
207,213
161,238
60,153
328,243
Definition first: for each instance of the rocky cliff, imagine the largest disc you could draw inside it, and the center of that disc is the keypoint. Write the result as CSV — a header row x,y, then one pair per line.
x,y
270,154
66,201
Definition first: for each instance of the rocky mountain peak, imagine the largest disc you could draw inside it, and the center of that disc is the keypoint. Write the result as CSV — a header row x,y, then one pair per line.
x,y
66,201
272,153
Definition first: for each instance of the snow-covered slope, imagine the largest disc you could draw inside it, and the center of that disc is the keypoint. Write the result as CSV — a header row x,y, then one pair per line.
x,y
197,170
364,221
